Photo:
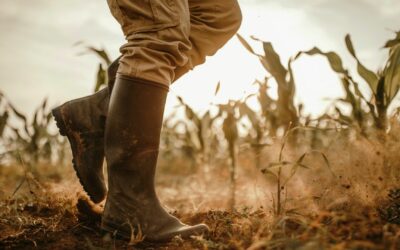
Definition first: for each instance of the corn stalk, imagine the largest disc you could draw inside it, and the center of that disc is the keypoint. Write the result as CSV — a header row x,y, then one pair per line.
x,y
230,121
263,123
384,84
197,133
286,111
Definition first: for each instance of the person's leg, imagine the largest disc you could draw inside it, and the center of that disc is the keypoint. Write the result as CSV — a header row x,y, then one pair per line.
x,y
157,32
212,24
132,143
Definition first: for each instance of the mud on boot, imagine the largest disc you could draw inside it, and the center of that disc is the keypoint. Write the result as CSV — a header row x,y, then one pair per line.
x,y
82,121
132,140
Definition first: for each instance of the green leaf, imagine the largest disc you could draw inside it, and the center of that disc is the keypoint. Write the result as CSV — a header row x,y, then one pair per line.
x,y
370,77
279,164
266,171
392,74
293,172
272,63
3,122
393,42
180,99
350,46
301,158
245,44
380,95
217,89
334,60
230,129
246,111
101,78
189,113
17,113
101,53
44,104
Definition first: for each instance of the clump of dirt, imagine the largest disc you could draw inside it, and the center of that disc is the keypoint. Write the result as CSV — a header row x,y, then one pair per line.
x,y
390,210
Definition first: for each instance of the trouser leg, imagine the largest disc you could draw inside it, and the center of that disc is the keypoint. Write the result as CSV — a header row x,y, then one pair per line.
x,y
204,27
158,41
212,24
157,34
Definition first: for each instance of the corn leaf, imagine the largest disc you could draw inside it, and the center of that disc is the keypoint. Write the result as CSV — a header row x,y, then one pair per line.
x,y
392,73
245,44
291,92
101,78
217,89
272,63
370,77
266,171
3,122
101,53
393,42
334,60
17,113
246,111
230,129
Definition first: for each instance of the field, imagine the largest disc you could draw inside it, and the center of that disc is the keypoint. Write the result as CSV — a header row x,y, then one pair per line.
x,y
262,176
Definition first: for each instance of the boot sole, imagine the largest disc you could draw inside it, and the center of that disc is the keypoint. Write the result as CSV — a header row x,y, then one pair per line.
x,y
73,139
111,228
116,231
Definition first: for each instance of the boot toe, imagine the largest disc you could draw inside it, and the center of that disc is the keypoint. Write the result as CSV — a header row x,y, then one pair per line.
x,y
185,231
188,231
97,193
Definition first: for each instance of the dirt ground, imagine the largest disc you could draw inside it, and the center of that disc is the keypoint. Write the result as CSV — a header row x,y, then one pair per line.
x,y
60,228
47,215
43,207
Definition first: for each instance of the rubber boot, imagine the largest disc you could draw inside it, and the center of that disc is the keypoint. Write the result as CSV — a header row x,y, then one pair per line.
x,y
83,121
132,141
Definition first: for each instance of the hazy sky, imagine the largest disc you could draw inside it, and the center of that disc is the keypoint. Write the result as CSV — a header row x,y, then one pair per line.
x,y
38,58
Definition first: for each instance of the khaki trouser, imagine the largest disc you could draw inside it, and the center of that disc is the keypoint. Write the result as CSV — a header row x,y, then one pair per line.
x,y
167,38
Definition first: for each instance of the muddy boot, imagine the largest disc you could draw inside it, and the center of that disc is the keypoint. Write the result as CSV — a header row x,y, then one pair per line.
x,y
131,145
82,121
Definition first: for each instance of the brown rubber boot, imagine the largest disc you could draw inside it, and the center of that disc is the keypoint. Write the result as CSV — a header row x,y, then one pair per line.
x,y
83,121
132,140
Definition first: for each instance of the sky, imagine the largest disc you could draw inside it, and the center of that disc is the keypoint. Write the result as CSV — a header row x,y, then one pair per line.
x,y
39,57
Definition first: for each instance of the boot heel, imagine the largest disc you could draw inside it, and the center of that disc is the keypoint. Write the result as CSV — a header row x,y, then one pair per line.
x,y
59,121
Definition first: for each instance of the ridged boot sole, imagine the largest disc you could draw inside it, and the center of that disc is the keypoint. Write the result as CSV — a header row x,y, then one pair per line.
x,y
118,231
113,229
75,142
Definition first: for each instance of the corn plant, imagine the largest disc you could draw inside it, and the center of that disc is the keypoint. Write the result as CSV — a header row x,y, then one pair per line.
x,y
191,136
384,84
195,133
4,115
263,123
275,170
286,111
33,141
228,112
105,62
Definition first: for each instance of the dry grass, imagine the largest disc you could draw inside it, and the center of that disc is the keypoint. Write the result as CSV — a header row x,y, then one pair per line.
x,y
322,210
